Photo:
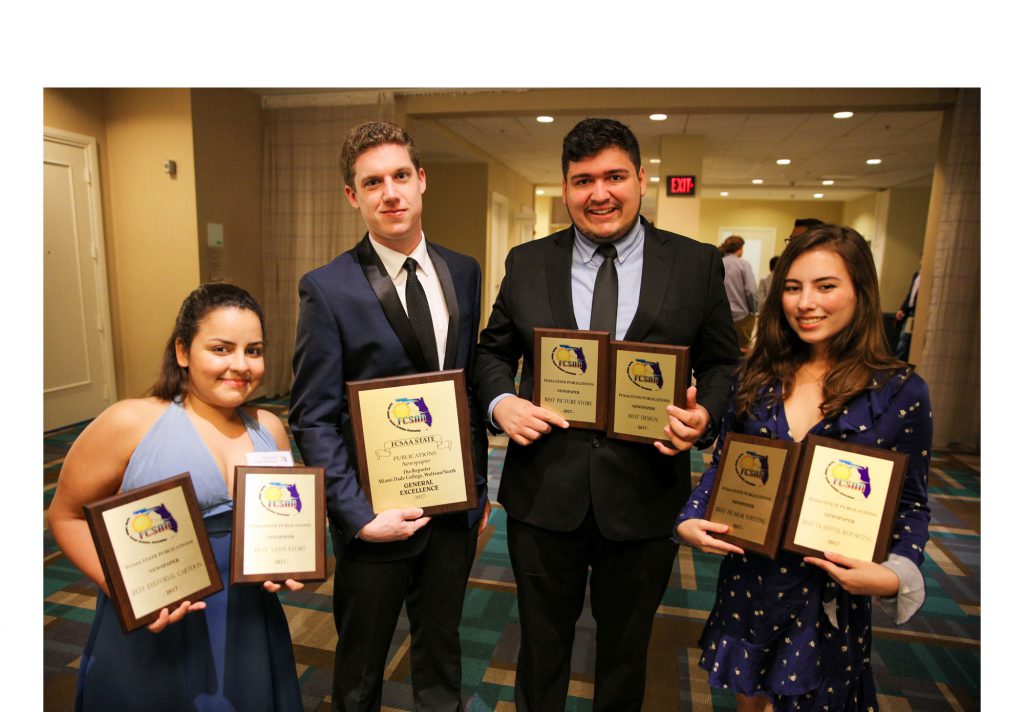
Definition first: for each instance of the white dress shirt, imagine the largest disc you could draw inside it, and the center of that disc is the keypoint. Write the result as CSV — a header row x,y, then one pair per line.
x,y
394,262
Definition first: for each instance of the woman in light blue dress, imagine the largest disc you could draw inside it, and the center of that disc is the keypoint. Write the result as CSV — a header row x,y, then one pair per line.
x,y
231,651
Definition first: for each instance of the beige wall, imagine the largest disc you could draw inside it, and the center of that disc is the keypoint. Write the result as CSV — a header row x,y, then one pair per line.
x,y
542,209
680,155
862,216
904,243
82,111
153,220
455,208
154,225
461,183
519,192
780,214
227,126
897,250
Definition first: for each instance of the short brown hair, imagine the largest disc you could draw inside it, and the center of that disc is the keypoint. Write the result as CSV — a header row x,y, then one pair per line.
x,y
367,135
733,243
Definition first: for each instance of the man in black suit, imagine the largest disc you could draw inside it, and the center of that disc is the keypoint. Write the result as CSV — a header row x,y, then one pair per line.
x,y
393,305
578,502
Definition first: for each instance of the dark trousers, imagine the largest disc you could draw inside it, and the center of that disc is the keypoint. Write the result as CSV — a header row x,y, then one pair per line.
x,y
627,582
368,597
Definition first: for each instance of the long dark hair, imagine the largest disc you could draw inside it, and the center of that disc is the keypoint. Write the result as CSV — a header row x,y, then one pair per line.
x,y
857,353
172,382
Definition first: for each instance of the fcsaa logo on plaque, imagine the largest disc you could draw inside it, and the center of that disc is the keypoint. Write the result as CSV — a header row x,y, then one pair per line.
x,y
752,468
645,374
411,414
569,359
849,478
151,525
281,498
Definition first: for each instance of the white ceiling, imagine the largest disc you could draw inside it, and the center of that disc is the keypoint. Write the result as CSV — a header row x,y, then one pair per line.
x,y
744,130
741,147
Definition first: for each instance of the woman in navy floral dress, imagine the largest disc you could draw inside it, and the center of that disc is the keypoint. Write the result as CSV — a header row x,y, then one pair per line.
x,y
795,633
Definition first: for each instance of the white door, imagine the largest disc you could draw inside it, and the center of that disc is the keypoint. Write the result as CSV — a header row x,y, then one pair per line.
x,y
78,366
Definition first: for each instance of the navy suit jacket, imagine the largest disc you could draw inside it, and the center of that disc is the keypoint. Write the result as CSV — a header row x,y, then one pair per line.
x,y
635,492
352,327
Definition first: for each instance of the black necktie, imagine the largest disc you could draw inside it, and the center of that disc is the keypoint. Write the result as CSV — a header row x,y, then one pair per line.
x,y
419,314
606,292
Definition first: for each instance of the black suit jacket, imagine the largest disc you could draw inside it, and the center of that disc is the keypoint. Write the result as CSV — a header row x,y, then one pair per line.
x,y
352,327
906,307
635,491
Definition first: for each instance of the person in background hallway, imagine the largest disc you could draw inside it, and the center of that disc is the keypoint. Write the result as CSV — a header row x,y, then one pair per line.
x,y
795,633
766,282
740,288
231,651
393,305
905,314
802,225
580,504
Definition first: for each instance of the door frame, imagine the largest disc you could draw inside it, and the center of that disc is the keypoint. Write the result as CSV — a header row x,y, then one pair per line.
x,y
98,252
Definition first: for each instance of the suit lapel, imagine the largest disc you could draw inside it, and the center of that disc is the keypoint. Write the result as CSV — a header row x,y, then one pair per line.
x,y
387,295
558,270
444,276
653,282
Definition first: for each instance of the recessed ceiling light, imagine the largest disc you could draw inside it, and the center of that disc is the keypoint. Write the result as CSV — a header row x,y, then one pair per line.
x,y
724,194
655,160
828,182
757,181
783,161
540,191
545,119
658,117
842,115
655,179
819,195
873,161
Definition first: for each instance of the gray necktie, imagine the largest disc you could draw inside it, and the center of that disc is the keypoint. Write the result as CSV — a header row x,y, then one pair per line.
x,y
419,314
606,292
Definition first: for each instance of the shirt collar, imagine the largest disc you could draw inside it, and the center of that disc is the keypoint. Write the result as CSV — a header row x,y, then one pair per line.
x,y
624,246
394,260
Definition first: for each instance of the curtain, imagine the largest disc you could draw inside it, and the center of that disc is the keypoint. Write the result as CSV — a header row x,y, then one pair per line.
x,y
951,358
306,218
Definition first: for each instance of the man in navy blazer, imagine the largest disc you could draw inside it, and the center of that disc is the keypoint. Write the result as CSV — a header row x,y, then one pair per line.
x,y
360,317
579,504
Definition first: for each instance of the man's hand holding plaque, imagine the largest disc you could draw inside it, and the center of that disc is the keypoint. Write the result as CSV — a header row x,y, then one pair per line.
x,y
646,380
523,421
570,375
412,440
686,425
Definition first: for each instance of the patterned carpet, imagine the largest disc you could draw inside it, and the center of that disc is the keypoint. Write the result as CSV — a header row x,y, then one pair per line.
x,y
932,663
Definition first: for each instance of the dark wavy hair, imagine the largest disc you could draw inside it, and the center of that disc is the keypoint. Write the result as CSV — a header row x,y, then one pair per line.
x,y
368,135
591,136
172,382
857,353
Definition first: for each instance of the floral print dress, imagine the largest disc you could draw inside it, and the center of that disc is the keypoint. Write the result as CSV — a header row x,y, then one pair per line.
x,y
784,628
